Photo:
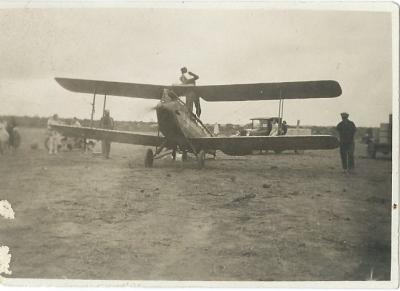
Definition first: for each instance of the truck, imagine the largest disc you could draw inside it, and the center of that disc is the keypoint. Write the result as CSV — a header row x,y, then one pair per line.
x,y
380,140
261,126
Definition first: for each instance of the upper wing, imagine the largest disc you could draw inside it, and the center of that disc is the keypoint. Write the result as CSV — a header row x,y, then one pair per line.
x,y
111,135
245,144
270,91
235,92
145,91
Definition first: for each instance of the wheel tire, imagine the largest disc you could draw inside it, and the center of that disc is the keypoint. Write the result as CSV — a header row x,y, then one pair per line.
x,y
201,157
149,158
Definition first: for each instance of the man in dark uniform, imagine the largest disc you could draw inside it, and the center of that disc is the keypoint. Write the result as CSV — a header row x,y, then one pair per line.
x,y
346,129
189,78
106,122
284,128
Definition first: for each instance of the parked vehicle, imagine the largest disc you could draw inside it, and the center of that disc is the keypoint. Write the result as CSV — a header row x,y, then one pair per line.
x,y
379,141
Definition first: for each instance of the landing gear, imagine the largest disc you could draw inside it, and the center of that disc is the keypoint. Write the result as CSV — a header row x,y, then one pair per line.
x,y
201,157
148,160
151,156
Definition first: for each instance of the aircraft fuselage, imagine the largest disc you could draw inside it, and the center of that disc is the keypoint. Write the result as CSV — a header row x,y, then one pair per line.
x,y
177,123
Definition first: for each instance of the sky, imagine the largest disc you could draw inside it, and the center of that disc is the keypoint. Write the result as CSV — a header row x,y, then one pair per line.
x,y
222,46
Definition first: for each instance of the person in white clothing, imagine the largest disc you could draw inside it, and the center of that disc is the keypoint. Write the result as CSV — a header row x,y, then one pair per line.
x,y
274,129
53,134
216,129
75,122
3,136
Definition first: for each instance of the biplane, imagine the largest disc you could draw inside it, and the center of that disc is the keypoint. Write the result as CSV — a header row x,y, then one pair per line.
x,y
183,131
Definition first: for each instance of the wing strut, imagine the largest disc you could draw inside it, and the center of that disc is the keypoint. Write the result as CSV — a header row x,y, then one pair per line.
x,y
104,104
280,110
93,108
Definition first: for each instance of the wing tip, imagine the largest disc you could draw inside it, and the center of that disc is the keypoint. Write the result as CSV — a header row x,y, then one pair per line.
x,y
60,79
62,83
336,88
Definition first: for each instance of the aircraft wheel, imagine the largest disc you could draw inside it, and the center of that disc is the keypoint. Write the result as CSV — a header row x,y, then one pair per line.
x,y
149,158
184,156
201,157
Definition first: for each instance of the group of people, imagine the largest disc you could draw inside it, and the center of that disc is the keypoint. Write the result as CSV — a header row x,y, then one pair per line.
x,y
54,138
275,129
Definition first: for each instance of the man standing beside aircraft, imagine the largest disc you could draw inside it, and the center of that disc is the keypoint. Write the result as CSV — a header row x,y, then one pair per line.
x,y
53,134
275,129
106,122
284,128
346,129
189,78
13,140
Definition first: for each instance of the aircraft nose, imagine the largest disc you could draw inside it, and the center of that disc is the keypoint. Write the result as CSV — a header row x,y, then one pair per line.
x,y
161,109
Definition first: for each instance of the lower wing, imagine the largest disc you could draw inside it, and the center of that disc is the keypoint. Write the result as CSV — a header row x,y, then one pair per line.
x,y
110,135
242,145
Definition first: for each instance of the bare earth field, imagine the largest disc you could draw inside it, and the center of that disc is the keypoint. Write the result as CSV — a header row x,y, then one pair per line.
x,y
263,217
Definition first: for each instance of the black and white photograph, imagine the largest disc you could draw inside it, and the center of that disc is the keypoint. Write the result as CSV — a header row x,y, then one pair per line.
x,y
199,144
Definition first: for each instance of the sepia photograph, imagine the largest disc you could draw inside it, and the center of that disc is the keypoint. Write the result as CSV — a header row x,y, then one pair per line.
x,y
199,144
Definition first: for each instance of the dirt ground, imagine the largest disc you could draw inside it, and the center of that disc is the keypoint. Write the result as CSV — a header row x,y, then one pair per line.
x,y
262,217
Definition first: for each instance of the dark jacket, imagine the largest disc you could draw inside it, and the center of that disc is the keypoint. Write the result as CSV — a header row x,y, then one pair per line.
x,y
107,122
346,129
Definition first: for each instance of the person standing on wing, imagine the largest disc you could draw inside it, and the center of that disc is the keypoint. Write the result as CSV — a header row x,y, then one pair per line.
x,y
189,78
